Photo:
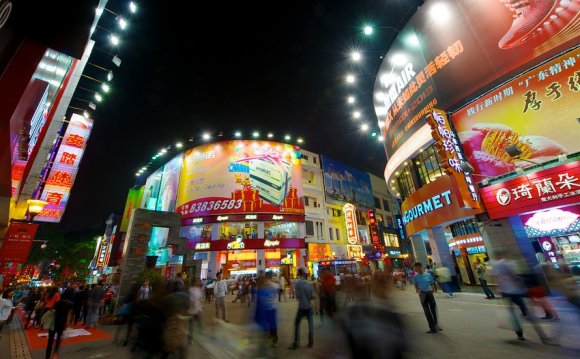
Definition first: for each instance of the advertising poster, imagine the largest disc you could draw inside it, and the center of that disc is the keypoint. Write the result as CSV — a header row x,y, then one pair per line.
x,y
453,50
133,201
169,183
64,170
345,184
536,111
241,177
151,190
17,242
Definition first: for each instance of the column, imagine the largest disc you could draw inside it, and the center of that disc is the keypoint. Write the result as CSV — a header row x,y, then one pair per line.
x,y
419,250
261,260
213,266
440,249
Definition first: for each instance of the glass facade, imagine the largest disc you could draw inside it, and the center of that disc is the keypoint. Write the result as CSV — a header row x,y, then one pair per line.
x,y
230,231
200,232
464,227
427,164
414,174
280,230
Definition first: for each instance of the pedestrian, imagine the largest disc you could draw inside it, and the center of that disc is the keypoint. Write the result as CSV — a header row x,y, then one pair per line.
x,y
145,291
220,290
6,307
482,276
425,286
62,309
304,293
94,303
195,308
328,281
80,298
513,289
444,280
30,303
266,311
564,282
179,279
282,286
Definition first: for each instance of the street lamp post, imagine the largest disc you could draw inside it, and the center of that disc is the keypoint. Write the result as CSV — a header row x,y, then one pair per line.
x,y
35,206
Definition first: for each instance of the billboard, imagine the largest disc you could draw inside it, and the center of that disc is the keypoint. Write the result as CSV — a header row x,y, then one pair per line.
x,y
452,50
168,185
345,184
151,190
537,111
240,177
133,201
64,169
17,242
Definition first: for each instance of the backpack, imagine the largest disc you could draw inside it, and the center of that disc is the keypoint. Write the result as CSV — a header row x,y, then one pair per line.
x,y
175,332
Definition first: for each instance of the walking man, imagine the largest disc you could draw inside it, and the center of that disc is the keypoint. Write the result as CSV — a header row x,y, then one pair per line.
x,y
482,275
220,289
424,285
304,293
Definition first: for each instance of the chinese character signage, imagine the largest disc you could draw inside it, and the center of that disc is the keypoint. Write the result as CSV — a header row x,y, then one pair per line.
x,y
17,242
319,251
553,187
351,223
220,245
345,184
355,252
452,156
64,169
240,177
472,47
535,111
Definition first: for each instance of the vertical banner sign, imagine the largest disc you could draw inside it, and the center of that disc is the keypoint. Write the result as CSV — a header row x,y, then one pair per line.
x,y
64,170
351,225
377,246
452,157
102,252
17,242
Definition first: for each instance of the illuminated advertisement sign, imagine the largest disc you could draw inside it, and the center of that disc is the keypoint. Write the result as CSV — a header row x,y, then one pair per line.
x,y
17,242
448,147
241,177
553,187
345,184
319,251
355,252
168,186
220,245
64,170
451,50
553,222
133,201
351,223
533,111
151,190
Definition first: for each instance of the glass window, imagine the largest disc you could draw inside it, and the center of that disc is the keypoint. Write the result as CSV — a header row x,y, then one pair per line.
x,y
386,206
305,157
309,228
330,232
361,217
200,232
464,227
338,234
428,165
405,181
314,159
391,240
389,222
306,200
230,231
377,202
280,230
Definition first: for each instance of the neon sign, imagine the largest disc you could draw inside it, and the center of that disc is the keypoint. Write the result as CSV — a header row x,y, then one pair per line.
x,y
351,225
277,218
431,204
269,243
251,216
202,245
223,218
554,219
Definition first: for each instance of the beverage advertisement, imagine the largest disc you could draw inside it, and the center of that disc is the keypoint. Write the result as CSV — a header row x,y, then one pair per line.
x,y
345,184
241,177
453,50
536,111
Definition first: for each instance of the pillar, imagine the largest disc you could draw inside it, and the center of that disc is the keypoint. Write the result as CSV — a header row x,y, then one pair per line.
x,y
419,250
261,260
440,249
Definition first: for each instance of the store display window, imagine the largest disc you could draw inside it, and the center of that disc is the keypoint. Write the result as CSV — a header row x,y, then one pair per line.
x,y
230,231
280,230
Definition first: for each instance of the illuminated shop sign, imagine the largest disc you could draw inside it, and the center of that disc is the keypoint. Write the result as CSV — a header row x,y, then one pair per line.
x,y
222,218
237,244
351,224
63,172
336,262
553,187
202,246
355,252
394,253
465,241
102,254
378,247
277,218
451,153
431,204
197,220
251,216
220,245
271,243
554,219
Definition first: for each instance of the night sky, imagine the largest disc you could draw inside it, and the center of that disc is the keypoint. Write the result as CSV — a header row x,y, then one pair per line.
x,y
225,66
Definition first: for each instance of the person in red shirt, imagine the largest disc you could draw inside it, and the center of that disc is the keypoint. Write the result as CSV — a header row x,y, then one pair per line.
x,y
328,292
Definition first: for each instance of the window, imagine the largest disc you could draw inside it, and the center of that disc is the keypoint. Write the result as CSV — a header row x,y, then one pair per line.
x,y
306,201
405,182
391,240
280,230
230,231
377,202
338,234
330,232
361,218
389,222
386,206
427,163
314,159
196,233
464,227
336,213
309,228
380,220
314,202
305,157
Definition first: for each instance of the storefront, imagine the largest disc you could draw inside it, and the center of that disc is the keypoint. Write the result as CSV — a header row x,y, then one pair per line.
x,y
546,203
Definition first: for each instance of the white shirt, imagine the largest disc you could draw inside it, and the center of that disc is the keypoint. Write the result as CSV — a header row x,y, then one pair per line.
x,y
220,289
195,306
5,308
506,276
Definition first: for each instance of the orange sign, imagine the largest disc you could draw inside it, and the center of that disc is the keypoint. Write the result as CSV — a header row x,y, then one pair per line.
x,y
435,204
318,252
351,225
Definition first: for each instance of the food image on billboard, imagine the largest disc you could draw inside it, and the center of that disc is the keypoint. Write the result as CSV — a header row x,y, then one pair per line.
x,y
536,111
453,50
169,183
241,177
345,184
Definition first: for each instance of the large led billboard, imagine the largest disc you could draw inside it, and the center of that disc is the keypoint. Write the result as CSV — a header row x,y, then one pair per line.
x,y
64,170
537,111
453,50
240,177
345,184
169,184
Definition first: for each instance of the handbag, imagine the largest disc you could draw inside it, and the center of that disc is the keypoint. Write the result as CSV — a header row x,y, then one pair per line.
x,y
47,320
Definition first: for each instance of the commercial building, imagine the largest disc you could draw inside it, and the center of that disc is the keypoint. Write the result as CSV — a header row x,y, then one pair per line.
x,y
466,98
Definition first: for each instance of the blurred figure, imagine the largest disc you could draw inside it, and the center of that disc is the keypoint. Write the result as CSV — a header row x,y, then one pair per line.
x,y
538,293
30,303
179,280
62,309
316,291
513,289
80,299
219,292
564,282
176,326
5,307
304,294
266,311
430,271
95,302
281,287
425,286
444,279
328,292
482,276
145,291
126,312
372,328
195,308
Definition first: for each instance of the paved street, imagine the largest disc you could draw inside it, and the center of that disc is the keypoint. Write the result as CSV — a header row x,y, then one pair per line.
x,y
468,322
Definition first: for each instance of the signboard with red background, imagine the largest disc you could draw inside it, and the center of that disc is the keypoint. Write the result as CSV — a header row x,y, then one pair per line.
x,y
17,242
221,245
240,177
451,50
64,170
553,187
534,111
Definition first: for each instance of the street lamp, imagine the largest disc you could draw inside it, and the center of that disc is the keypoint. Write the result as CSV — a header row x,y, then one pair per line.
x,y
35,206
